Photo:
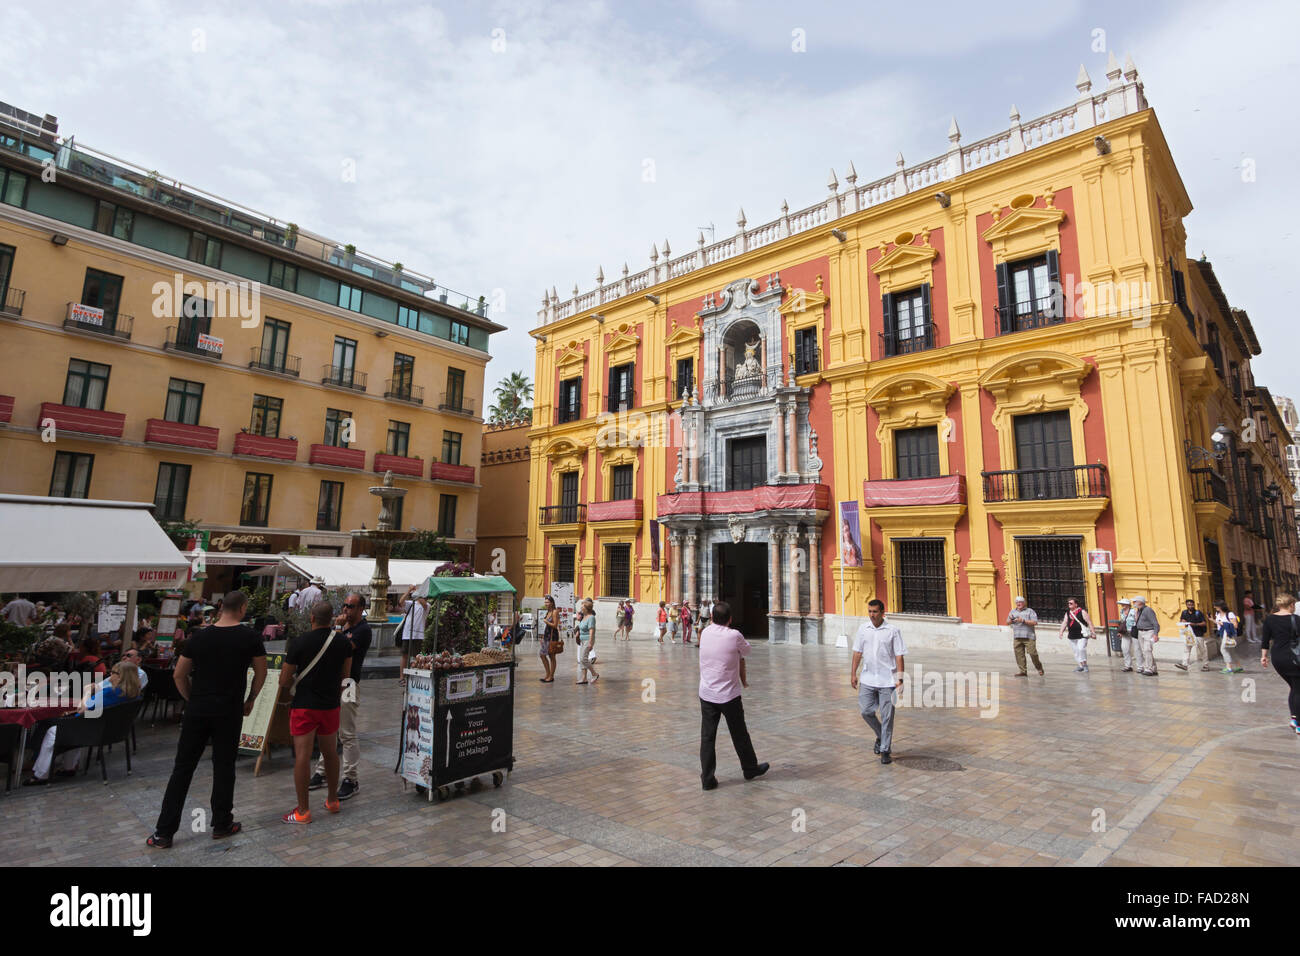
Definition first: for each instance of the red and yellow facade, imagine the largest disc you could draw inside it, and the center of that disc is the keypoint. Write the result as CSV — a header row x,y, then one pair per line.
x,y
1079,425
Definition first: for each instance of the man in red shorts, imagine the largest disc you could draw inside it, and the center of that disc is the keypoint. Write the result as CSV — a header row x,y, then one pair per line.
x,y
321,661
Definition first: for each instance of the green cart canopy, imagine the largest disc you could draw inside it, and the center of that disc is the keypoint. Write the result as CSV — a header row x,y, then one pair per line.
x,y
440,587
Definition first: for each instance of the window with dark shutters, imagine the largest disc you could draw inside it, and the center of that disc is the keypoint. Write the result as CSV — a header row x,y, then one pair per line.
x,y
917,452
908,325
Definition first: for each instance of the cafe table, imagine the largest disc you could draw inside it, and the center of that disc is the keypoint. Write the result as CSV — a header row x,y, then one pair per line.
x,y
27,718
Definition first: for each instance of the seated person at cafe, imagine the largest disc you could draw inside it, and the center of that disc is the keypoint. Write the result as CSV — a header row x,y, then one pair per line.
x,y
132,656
146,642
123,684
52,653
87,658
110,642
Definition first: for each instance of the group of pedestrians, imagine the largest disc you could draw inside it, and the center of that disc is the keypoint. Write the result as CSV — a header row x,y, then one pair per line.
x,y
321,669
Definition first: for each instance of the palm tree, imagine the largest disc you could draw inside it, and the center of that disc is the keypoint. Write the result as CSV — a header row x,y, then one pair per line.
x,y
514,396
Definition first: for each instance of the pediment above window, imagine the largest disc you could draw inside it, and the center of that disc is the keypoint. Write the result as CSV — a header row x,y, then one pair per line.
x,y
571,359
801,301
1035,371
621,347
906,265
684,335
910,390
1027,230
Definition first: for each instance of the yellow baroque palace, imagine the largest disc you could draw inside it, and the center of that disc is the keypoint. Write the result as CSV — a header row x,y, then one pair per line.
x,y
945,388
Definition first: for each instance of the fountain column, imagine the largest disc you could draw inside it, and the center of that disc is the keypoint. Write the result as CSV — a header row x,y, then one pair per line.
x,y
382,540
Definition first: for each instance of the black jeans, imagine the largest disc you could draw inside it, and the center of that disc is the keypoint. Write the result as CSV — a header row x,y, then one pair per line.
x,y
196,732
734,711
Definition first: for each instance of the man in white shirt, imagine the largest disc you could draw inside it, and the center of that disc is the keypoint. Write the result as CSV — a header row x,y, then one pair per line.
x,y
295,598
411,637
20,611
876,673
311,595
723,650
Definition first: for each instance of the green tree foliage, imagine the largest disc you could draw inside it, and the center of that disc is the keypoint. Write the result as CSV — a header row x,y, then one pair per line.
x,y
514,396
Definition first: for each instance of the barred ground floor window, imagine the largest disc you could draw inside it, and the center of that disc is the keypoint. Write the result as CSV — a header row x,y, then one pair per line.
x,y
618,570
1051,572
922,578
565,561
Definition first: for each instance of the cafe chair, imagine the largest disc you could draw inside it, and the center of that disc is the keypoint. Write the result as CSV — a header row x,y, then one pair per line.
x,y
95,733
161,691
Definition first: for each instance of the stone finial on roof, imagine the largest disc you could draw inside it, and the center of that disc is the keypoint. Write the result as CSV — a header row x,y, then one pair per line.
x,y
700,241
832,183
625,270
898,161
667,251
1112,69
1083,82
654,252
954,133
740,218
575,290
851,176
785,207
1015,115
600,275
1130,69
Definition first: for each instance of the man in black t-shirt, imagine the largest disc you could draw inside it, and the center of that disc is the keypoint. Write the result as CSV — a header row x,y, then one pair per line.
x,y
321,660
352,625
212,675
1196,621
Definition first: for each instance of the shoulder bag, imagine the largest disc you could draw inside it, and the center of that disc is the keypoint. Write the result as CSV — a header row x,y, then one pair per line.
x,y
1295,643
297,678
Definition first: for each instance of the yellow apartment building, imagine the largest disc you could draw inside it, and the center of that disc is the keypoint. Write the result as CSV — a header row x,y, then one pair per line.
x,y
165,345
994,373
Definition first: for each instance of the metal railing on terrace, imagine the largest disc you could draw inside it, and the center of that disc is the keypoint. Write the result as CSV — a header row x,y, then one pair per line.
x,y
128,177
1036,484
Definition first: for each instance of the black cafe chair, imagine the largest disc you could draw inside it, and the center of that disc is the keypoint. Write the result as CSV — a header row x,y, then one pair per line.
x,y
161,691
10,735
113,726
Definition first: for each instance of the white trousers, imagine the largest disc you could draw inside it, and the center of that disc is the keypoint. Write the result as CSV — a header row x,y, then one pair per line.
x,y
45,756
1148,642
1132,652
1081,651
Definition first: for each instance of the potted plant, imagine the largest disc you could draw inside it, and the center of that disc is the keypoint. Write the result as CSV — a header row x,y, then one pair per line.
x,y
397,268
350,249
291,235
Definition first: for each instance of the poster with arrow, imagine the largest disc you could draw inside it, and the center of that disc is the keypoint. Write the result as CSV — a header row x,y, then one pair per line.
x,y
473,736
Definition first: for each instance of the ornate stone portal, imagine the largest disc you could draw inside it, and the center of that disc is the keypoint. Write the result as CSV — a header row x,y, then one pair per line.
x,y
750,473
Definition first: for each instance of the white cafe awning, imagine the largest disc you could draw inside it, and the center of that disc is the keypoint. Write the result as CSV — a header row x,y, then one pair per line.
x,y
356,572
71,544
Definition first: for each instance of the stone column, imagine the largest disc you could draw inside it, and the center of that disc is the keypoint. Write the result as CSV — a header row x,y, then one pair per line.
x,y
791,449
774,560
814,573
792,542
691,597
674,567
780,438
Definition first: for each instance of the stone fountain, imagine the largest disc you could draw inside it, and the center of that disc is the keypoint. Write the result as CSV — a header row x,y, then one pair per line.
x,y
382,540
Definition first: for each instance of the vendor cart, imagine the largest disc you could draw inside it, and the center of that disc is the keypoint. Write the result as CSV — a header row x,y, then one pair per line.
x,y
458,706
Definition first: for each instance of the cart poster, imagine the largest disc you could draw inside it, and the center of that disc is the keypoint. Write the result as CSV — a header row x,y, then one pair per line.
x,y
417,733
473,736
252,734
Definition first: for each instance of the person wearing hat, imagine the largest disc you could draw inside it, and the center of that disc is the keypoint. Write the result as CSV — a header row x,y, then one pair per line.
x,y
1127,637
311,594
1147,628
1023,620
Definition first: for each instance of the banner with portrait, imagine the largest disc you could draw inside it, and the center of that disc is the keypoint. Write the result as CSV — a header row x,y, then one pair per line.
x,y
850,535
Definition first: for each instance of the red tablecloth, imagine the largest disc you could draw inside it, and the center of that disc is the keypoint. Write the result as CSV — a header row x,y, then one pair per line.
x,y
28,716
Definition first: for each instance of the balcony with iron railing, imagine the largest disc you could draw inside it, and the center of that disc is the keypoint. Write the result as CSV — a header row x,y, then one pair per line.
x,y
806,360
343,376
1038,484
1216,356
193,342
567,413
1030,314
402,390
738,386
907,341
11,301
458,404
82,318
1208,485
147,185
269,360
563,514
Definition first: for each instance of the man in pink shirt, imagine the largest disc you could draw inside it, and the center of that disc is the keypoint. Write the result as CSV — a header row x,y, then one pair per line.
x,y
722,675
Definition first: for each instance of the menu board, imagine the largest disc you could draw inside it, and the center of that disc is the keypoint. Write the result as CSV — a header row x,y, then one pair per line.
x,y
111,617
252,734
417,729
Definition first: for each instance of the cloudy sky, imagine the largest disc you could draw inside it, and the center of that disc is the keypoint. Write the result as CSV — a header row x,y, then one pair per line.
x,y
503,147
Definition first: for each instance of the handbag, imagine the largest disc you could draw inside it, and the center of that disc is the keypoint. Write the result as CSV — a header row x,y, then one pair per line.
x,y
1295,643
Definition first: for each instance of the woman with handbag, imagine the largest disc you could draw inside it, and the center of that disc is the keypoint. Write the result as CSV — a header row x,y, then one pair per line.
x,y
550,644
1078,628
1282,634
1225,624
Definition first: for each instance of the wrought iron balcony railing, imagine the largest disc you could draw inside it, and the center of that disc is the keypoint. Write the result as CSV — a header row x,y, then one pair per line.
x,y
1034,484
1208,485
342,376
563,514
909,341
269,360
404,391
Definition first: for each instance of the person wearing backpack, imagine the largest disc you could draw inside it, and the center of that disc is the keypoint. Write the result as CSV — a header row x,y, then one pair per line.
x,y
1078,628
1281,633
316,665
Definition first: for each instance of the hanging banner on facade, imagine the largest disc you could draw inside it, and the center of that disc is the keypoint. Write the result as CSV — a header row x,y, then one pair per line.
x,y
850,535
654,545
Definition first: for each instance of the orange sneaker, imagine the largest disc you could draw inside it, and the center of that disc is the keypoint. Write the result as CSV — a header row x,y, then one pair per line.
x,y
297,816
332,806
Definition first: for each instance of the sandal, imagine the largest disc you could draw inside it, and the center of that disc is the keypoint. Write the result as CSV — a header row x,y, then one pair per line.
x,y
159,842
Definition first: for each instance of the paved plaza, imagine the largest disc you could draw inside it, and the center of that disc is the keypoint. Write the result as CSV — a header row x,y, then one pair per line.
x,y
1184,770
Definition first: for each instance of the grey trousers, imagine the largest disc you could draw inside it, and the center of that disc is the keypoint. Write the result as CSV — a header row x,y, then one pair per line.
x,y
871,699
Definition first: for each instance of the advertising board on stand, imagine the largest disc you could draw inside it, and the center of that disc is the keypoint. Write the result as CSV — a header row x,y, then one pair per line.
x,y
417,729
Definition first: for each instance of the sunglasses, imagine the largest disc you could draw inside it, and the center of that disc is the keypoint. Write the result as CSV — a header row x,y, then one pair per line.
x,y
352,605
